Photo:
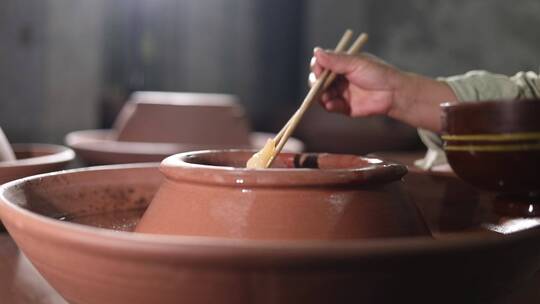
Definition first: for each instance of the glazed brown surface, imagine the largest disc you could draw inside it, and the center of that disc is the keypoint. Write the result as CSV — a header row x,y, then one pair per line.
x,y
495,144
491,117
514,172
91,265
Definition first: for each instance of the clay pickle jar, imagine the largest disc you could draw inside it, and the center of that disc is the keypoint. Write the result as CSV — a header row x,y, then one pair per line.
x,y
302,197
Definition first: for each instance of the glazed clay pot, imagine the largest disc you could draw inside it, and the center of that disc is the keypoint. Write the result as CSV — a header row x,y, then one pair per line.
x,y
495,145
310,197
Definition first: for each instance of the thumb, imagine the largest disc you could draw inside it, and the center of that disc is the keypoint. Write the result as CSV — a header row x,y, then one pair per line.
x,y
338,63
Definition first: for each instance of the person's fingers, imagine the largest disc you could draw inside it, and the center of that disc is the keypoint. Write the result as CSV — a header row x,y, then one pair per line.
x,y
311,79
340,83
316,71
315,67
312,61
333,92
337,62
326,97
337,105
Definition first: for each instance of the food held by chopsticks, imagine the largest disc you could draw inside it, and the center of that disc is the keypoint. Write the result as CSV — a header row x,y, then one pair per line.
x,y
264,158
260,159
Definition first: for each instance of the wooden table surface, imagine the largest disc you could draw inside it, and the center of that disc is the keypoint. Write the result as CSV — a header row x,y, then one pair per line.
x,y
20,283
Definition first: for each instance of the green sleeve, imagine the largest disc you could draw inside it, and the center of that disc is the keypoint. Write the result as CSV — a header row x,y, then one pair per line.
x,y
476,86
482,85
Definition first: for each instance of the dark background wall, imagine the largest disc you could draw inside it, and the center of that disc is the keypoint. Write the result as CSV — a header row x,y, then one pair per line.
x,y
51,63
69,64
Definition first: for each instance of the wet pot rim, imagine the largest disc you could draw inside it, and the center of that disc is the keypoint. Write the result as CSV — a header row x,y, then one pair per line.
x,y
376,171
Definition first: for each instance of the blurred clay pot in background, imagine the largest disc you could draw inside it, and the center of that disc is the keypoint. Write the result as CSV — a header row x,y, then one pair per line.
x,y
495,145
34,159
309,197
191,118
154,125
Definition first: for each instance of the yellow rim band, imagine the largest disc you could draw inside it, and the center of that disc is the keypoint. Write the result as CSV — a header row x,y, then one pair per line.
x,y
494,137
493,148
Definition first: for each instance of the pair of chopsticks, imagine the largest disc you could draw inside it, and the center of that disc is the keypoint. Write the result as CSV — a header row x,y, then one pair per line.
x,y
322,83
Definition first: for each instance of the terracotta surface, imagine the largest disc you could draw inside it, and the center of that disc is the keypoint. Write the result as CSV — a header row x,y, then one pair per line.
x,y
467,264
193,118
99,147
312,196
34,159
495,145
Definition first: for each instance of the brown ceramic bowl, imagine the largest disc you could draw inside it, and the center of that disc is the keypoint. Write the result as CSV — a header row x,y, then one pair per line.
x,y
311,196
34,159
100,147
495,145
54,219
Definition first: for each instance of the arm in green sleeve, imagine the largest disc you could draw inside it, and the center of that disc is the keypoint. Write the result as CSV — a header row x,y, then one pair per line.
x,y
482,85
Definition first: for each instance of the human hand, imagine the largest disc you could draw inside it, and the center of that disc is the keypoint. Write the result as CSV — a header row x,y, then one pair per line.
x,y
366,86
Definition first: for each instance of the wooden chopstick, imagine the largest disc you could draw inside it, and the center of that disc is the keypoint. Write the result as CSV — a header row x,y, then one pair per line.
x,y
355,47
325,79
342,44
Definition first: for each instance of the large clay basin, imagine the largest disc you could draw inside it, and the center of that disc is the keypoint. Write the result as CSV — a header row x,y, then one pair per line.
x,y
311,196
54,219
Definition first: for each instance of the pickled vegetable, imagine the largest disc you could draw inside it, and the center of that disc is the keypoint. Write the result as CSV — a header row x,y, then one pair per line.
x,y
261,159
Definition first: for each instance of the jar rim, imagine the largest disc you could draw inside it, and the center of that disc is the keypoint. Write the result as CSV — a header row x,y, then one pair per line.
x,y
337,169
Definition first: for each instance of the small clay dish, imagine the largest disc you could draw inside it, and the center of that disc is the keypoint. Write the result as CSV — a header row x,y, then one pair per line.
x,y
495,145
34,159
309,197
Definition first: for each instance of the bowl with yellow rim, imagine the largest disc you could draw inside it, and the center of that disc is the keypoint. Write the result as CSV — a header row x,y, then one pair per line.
x,y
495,145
